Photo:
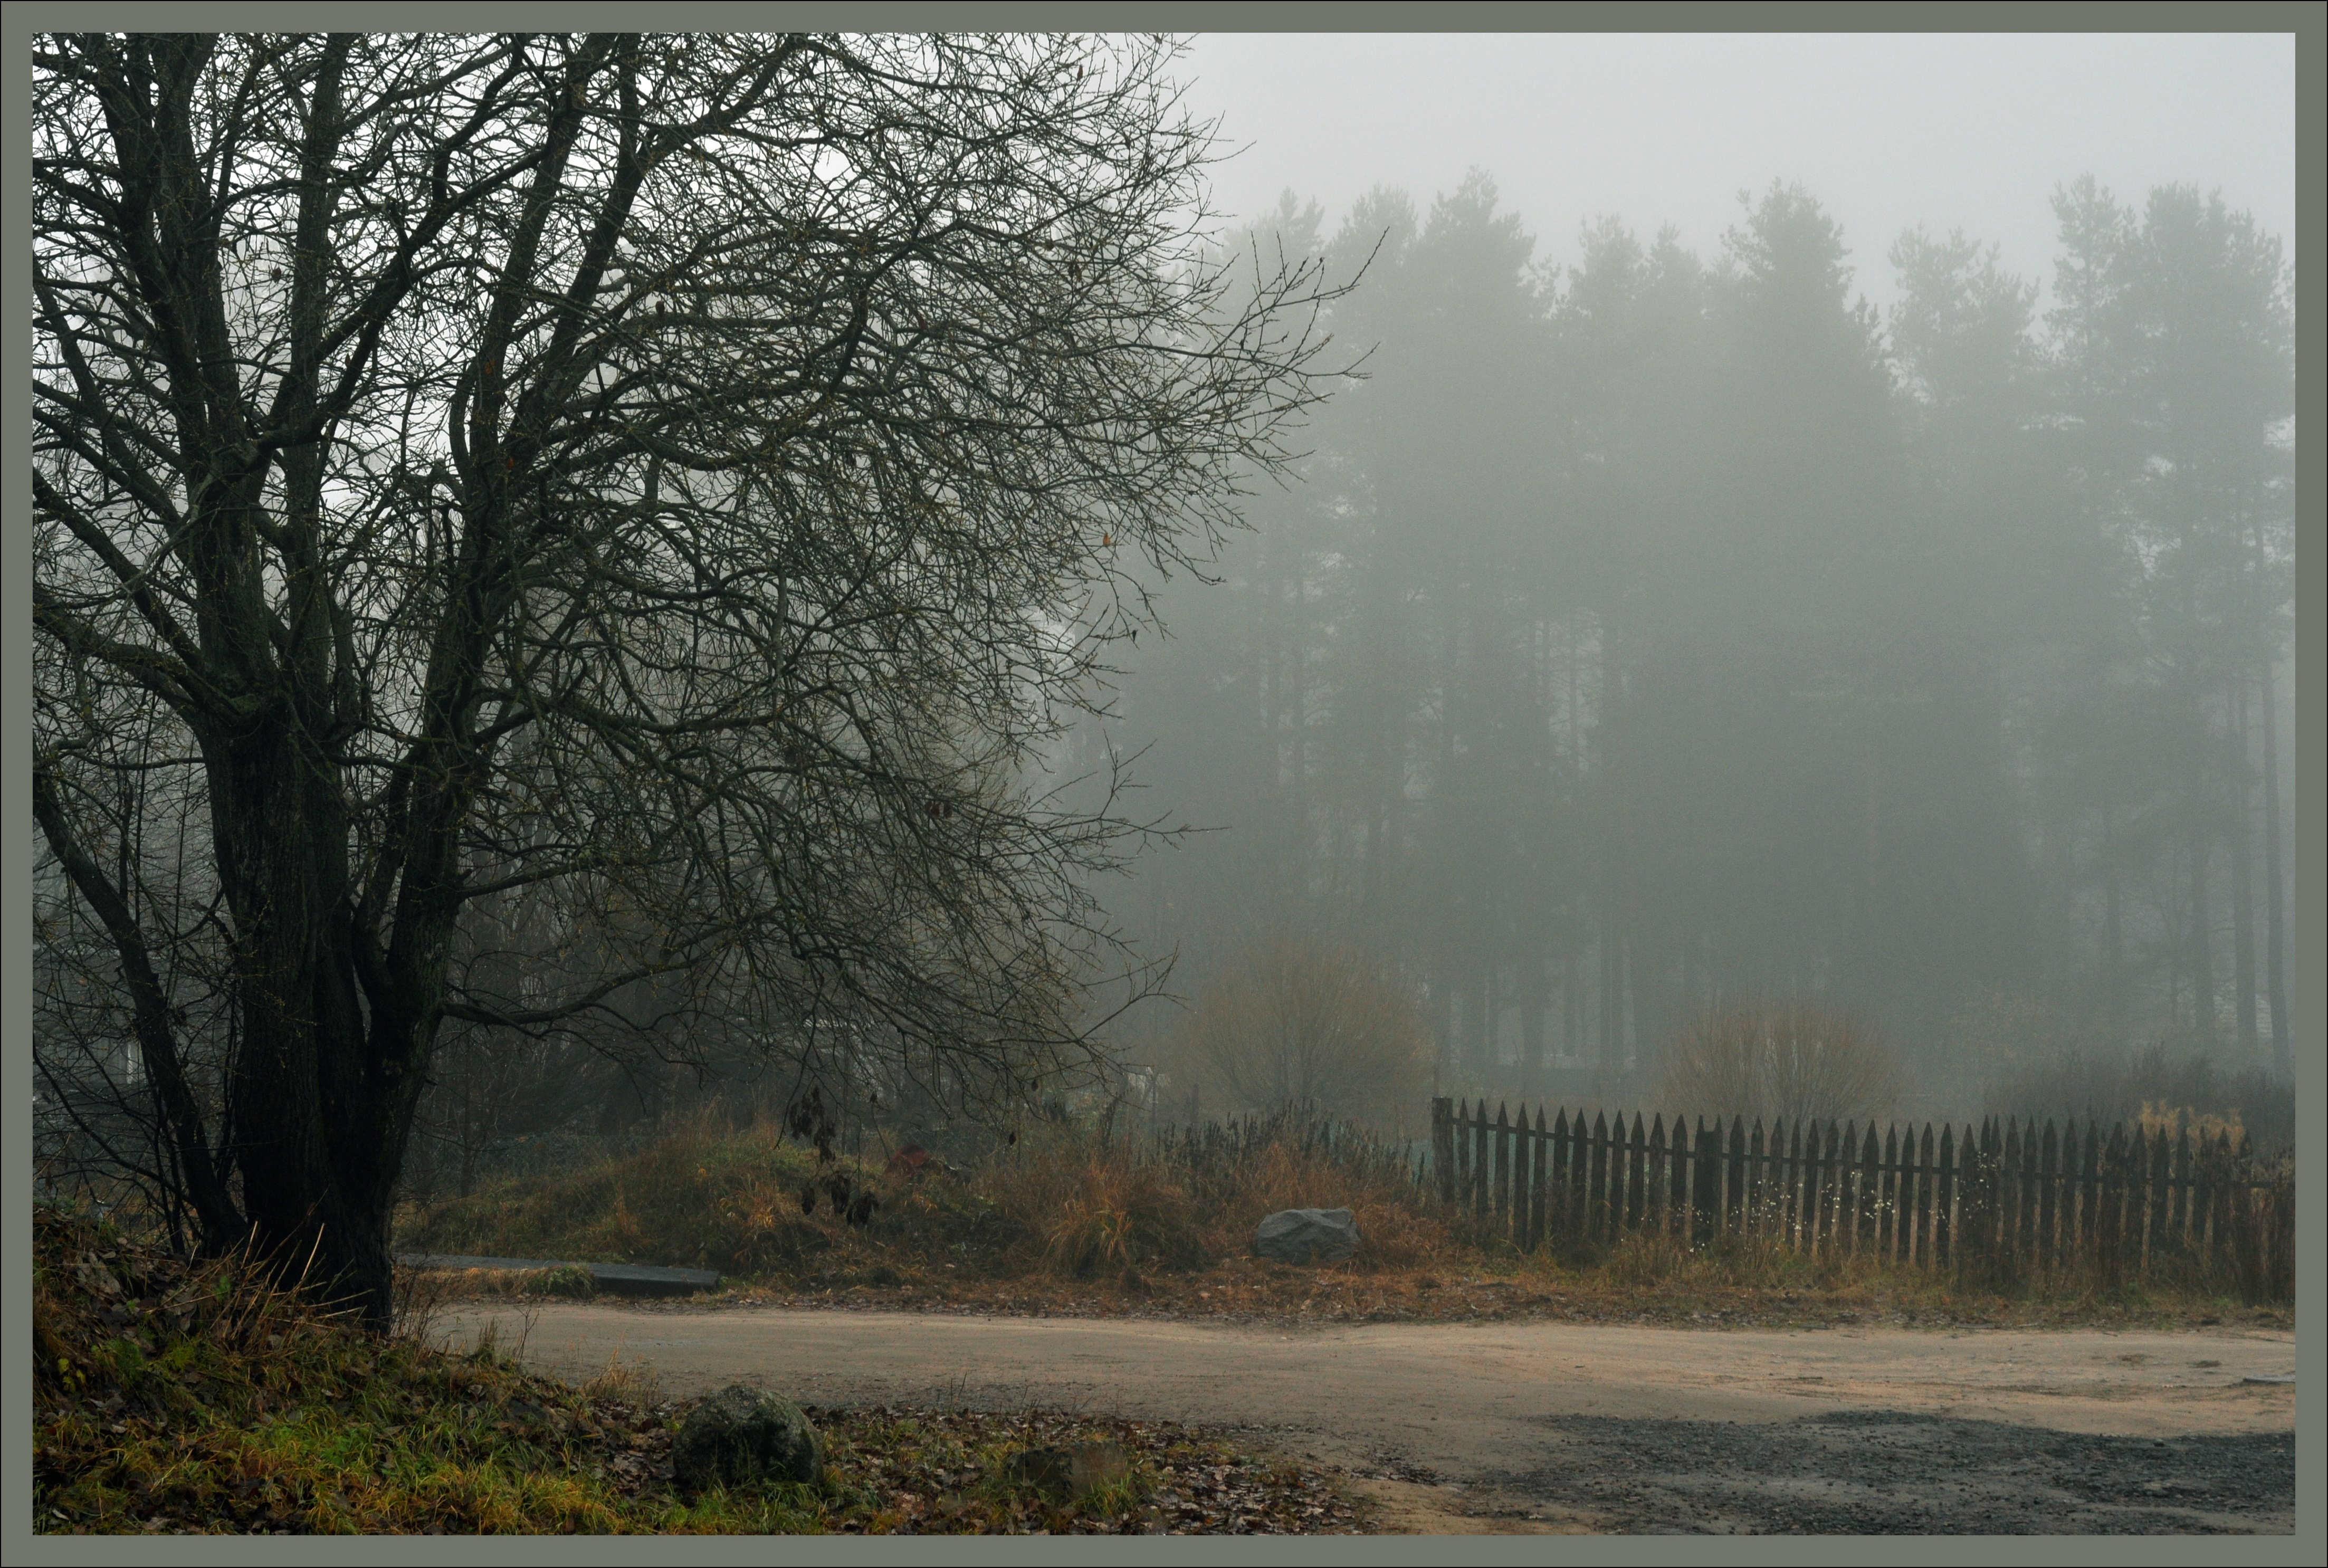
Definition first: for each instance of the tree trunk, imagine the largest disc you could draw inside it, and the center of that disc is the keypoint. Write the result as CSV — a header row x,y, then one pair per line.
x,y
1612,1016
2113,938
2200,937
1571,1005
325,1085
1532,989
1488,1057
2243,956
2275,933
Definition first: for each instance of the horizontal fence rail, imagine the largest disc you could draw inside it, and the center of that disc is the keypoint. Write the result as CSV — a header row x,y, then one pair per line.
x,y
2005,1197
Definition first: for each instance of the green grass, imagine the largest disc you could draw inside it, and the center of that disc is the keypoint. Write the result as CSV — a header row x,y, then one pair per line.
x,y
703,1200
170,1398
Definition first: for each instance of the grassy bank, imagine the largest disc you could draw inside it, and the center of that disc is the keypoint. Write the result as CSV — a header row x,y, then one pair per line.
x,y
1058,1204
1067,1224
173,1399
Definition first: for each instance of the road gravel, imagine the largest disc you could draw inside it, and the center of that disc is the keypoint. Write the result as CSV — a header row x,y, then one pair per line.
x,y
1537,1426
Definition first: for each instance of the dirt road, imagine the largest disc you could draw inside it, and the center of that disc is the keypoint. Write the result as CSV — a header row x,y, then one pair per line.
x,y
1549,1426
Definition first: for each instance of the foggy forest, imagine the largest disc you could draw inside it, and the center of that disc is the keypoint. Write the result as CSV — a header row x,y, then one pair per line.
x,y
1260,785
1543,659
1670,624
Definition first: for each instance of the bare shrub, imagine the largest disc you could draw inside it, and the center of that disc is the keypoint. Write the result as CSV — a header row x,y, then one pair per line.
x,y
1083,1210
1073,1205
2154,1085
1750,1055
1322,1029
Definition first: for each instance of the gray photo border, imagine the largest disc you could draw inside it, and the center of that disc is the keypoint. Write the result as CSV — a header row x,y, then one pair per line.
x,y
2308,993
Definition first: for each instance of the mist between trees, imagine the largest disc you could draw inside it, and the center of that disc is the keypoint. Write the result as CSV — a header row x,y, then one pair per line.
x,y
577,574
1669,630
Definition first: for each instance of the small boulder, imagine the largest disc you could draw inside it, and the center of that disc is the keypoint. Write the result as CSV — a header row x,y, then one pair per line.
x,y
1307,1236
1072,1470
743,1435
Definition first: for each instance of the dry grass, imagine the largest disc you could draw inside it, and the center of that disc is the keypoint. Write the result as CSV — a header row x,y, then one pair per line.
x,y
1087,1211
702,1197
1066,1224
1060,1203
205,1399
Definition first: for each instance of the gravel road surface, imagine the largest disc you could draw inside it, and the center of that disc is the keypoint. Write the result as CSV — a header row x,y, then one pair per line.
x,y
1563,1427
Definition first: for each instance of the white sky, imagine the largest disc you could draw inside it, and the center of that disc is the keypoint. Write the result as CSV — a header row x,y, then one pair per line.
x,y
1970,131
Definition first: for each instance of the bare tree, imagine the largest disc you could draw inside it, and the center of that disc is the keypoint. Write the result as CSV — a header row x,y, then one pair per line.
x,y
1294,1024
1750,1055
687,481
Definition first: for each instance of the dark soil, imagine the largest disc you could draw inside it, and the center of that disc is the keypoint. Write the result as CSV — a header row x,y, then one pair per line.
x,y
1896,1473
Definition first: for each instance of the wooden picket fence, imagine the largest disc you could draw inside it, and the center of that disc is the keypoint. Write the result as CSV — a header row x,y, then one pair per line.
x,y
2005,1198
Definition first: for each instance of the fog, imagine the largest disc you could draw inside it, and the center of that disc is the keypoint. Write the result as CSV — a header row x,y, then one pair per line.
x,y
1890,130
1816,520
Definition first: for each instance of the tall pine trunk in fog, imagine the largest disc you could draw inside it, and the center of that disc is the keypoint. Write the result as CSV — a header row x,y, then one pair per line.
x,y
2281,1051
2239,771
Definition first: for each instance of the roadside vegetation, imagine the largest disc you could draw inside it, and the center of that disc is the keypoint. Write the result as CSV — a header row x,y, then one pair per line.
x,y
1071,1221
206,1399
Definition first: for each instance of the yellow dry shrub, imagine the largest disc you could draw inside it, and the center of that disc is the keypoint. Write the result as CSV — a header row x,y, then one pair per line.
x,y
2161,1119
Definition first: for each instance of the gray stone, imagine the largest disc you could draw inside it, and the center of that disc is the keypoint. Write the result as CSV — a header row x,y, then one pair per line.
x,y
741,1436
1307,1236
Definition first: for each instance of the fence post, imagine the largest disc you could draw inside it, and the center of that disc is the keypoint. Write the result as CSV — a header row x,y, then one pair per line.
x,y
1462,1157
1620,1174
2030,1185
1835,1218
1972,1249
1613,1211
1562,1223
2244,1238
1887,1205
1927,1181
2048,1180
2137,1202
1520,1215
2155,1243
1734,1184
1537,1185
2178,1191
2009,1227
1757,1221
1480,1173
1789,1154
1944,1227
2089,1195
1865,1240
2110,1244
1659,1191
1992,1194
1705,1151
2282,1195
1442,1149
1499,1211
1596,1199
2197,1196
1636,1157
1813,1188
1677,1183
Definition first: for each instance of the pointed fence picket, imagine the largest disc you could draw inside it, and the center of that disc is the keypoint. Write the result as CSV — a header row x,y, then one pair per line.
x,y
2006,1199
